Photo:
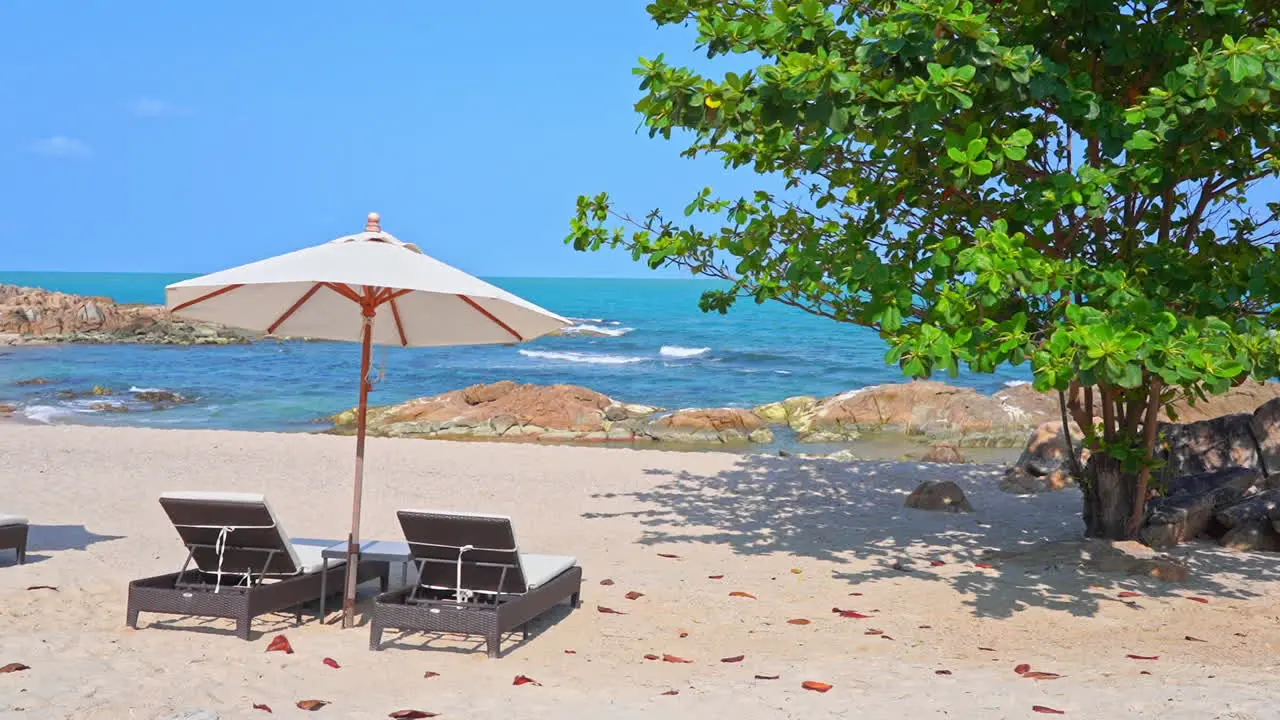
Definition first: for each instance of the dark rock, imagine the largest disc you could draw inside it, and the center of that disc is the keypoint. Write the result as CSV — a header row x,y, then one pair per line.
x,y
34,381
108,407
1253,536
1187,511
1252,509
943,496
1265,424
1209,445
1018,481
160,397
1046,449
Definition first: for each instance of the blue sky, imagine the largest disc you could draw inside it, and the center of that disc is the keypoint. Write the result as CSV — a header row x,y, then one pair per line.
x,y
187,137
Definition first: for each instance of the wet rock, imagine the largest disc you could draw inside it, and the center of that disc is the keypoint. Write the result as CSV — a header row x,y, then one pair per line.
x,y
716,425
161,397
34,381
100,390
943,452
943,496
1018,481
108,407
783,411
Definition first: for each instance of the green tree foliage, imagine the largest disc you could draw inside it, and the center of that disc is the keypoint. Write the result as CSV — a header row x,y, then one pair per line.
x,y
1060,182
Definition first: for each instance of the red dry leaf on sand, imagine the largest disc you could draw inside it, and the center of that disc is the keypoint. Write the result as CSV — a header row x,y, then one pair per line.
x,y
987,649
633,595
608,610
671,692
412,714
941,672
985,566
430,674
873,631
524,680
1037,675
311,705
849,613
815,686
766,676
1193,638
886,637
1128,594
715,577
734,659
684,633
260,706
675,659
1022,669
331,663
672,556
606,581
937,563
1144,672
570,652
798,621
741,594
856,594
280,643
1143,657
1199,599
14,667
43,587
650,656
1046,710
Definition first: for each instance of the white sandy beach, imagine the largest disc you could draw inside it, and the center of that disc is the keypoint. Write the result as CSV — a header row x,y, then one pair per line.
x,y
802,536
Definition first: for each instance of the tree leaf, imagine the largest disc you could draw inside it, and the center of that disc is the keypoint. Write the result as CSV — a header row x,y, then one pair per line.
x,y
741,594
1046,710
608,610
524,680
676,659
311,705
412,714
280,643
734,659
815,686
1141,140
331,663
633,595
14,667
264,708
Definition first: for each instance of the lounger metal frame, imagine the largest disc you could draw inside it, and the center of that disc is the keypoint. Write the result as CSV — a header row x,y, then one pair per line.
x,y
14,537
491,611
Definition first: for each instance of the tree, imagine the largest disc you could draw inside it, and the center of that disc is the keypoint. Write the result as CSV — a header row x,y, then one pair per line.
x,y
1059,182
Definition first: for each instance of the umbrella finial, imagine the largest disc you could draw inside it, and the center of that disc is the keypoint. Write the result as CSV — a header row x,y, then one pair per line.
x,y
374,223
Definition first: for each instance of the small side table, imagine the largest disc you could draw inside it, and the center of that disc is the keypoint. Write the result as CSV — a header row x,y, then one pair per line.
x,y
383,551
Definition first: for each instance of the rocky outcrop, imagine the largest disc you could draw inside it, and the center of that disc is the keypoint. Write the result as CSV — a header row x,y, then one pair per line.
x,y
1044,464
32,315
784,412
556,413
1208,445
931,410
1236,506
943,496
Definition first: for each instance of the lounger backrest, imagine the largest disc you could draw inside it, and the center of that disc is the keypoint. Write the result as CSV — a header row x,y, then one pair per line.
x,y
241,525
436,538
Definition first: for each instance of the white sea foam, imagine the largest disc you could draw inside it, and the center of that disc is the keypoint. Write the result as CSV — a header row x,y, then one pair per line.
x,y
1016,383
590,329
577,357
44,413
783,372
676,351
135,389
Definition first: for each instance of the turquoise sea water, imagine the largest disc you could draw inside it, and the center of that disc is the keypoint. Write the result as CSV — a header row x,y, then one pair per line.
x,y
661,350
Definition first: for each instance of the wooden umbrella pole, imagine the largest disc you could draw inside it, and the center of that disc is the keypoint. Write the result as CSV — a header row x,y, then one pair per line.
x,y
362,414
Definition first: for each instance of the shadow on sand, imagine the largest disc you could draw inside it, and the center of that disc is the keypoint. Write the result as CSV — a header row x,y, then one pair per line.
x,y
853,511
43,539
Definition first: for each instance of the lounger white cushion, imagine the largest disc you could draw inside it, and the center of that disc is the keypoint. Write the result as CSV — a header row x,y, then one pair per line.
x,y
542,569
7,520
305,553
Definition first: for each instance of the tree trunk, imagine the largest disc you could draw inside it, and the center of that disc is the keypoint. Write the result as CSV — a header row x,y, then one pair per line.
x,y
1108,498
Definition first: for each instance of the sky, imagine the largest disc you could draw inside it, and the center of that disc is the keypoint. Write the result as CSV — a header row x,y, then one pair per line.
x,y
185,137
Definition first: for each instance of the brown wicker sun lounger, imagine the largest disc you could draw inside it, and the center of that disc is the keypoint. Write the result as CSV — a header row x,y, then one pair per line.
x,y
240,563
13,535
471,579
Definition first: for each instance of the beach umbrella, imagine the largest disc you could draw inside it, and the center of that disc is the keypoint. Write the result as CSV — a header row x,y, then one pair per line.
x,y
369,288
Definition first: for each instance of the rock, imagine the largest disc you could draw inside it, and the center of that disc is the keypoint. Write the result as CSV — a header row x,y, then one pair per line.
x,y
1265,424
782,412
1046,449
931,409
717,425
1187,512
35,315
943,496
7,409
1259,507
1252,536
34,381
108,407
1207,446
160,397
1019,481
943,452
99,390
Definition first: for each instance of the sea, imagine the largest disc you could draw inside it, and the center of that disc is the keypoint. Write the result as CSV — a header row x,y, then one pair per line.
x,y
637,340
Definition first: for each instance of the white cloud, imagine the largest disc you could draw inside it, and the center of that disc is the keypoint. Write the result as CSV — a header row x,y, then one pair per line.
x,y
150,107
61,146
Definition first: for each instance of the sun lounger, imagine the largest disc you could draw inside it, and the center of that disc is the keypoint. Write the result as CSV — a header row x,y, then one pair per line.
x,y
13,535
240,563
472,579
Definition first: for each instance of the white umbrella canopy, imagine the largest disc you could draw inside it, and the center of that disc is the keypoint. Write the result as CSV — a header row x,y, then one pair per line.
x,y
369,288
